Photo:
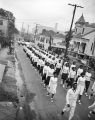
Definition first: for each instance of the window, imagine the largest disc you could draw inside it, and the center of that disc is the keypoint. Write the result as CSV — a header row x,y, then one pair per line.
x,y
83,30
76,30
1,22
0,32
91,47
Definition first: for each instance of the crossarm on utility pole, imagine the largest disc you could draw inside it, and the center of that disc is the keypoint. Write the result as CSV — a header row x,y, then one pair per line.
x,y
70,31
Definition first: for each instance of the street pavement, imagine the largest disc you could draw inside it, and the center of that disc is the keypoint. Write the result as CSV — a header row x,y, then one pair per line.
x,y
44,108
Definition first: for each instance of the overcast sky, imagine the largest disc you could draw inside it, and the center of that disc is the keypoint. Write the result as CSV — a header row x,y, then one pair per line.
x,y
48,12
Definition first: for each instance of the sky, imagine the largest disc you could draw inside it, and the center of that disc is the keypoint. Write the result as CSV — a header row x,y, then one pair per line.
x,y
48,12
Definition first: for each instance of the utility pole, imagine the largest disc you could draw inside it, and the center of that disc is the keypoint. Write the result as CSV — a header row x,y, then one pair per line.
x,y
35,32
28,29
69,35
22,29
27,33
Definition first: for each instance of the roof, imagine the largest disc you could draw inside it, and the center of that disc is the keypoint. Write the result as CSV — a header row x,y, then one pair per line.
x,y
92,25
79,35
59,35
81,20
89,33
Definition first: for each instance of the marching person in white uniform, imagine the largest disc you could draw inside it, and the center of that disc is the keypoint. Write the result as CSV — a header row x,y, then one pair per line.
x,y
38,63
58,67
92,90
87,81
65,72
81,85
42,63
44,73
71,98
49,74
73,65
79,71
52,86
71,77
92,109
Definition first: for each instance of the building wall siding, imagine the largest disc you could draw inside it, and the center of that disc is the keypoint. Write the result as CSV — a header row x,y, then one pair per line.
x,y
88,49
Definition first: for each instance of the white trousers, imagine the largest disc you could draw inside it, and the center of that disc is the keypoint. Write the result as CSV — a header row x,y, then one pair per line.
x,y
80,89
71,110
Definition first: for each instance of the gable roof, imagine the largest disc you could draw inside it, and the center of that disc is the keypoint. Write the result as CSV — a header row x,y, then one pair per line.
x,y
92,25
89,33
81,20
82,35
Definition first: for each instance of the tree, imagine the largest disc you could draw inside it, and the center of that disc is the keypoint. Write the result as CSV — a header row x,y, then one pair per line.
x,y
11,27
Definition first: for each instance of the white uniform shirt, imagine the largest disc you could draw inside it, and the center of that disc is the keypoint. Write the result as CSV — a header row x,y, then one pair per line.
x,y
81,81
45,69
79,71
72,74
42,63
71,97
72,66
88,76
38,61
34,58
58,65
65,69
50,72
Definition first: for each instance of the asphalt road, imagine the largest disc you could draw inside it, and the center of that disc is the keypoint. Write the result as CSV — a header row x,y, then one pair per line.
x,y
41,103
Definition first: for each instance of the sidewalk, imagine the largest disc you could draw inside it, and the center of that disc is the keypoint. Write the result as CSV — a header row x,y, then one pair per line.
x,y
8,90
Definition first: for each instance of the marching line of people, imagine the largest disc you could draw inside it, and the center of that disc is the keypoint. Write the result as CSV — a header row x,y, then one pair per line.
x,y
76,80
47,68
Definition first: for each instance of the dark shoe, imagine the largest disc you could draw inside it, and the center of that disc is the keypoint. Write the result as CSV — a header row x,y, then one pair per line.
x,y
62,113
